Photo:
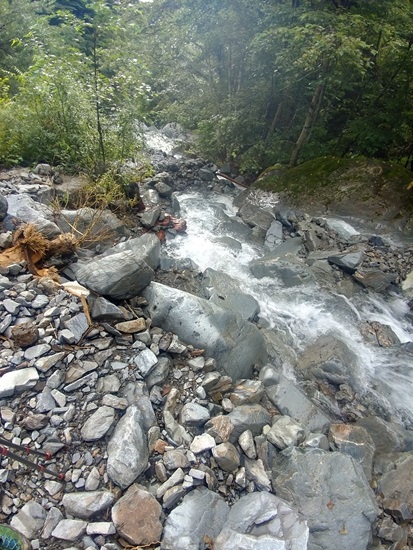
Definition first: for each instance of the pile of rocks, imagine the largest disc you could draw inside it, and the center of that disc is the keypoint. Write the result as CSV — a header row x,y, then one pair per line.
x,y
171,426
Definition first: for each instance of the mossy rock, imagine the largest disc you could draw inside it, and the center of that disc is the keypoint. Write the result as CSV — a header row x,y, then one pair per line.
x,y
365,187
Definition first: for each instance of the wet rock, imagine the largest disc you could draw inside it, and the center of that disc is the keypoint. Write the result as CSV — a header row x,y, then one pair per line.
x,y
354,441
199,517
337,501
224,291
329,358
373,279
288,398
274,235
347,262
388,437
379,334
136,516
291,271
127,449
260,521
236,344
396,486
85,505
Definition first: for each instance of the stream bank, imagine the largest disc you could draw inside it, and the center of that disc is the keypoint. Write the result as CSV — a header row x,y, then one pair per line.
x,y
173,417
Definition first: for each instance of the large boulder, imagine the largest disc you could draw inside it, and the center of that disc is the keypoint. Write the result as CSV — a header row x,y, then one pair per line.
x,y
236,344
196,520
224,291
147,247
290,269
262,521
333,495
330,359
91,225
26,210
119,276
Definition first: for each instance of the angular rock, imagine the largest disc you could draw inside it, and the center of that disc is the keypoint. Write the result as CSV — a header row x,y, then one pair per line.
x,y
98,424
145,248
193,415
70,529
274,235
235,344
354,441
397,488
199,517
247,392
119,276
128,451
130,327
136,516
255,472
18,381
85,505
29,520
337,500
373,279
347,262
292,402
285,432
248,417
226,456
262,521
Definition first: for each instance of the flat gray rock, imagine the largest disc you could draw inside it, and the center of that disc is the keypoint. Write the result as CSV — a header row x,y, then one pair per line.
x,y
97,425
86,504
262,521
235,344
120,276
128,451
333,495
18,381
202,513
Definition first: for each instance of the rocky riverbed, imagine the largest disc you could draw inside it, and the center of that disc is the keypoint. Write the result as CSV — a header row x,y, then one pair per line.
x,y
160,395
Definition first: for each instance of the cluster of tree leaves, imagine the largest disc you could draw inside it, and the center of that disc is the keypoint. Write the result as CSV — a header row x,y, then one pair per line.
x,y
260,81
72,89
267,81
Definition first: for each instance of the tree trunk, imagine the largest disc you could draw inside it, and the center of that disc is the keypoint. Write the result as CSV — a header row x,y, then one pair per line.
x,y
310,119
275,121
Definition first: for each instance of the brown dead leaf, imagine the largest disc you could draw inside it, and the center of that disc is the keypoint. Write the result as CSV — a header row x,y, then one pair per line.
x,y
330,504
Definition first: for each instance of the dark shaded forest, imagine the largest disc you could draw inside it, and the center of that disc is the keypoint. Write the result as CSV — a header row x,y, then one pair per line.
x,y
260,82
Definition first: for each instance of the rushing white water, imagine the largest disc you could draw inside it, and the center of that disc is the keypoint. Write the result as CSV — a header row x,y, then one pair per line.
x,y
304,312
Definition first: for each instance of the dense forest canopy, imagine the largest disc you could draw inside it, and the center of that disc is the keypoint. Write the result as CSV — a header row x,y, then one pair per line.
x,y
260,81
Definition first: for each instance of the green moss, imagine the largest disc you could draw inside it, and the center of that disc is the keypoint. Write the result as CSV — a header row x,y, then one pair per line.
x,y
332,179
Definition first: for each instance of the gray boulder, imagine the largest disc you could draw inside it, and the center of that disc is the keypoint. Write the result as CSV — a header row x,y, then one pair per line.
x,y
347,262
25,209
292,402
3,207
145,248
373,279
200,516
120,276
262,521
94,225
329,358
333,495
224,291
128,451
235,344
290,270
354,441
274,235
